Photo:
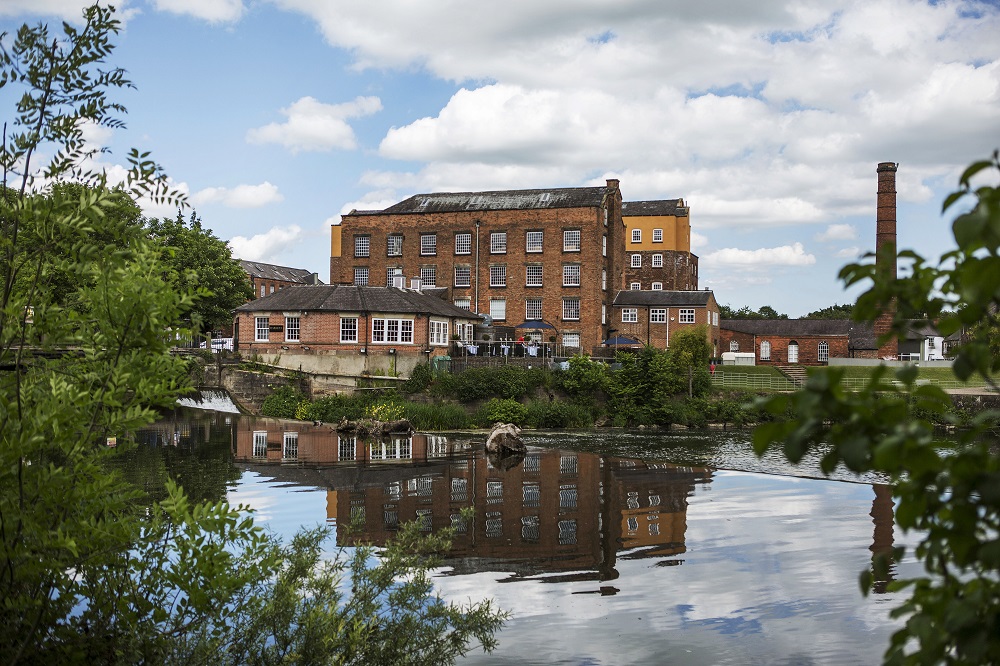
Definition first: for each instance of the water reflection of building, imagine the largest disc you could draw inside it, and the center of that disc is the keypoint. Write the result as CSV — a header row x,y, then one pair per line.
x,y
555,511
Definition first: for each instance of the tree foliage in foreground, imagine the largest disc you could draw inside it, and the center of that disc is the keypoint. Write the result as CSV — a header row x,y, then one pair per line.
x,y
947,490
90,571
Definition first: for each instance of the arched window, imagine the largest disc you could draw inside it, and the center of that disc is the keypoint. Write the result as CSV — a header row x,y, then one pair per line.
x,y
793,352
734,346
765,351
823,354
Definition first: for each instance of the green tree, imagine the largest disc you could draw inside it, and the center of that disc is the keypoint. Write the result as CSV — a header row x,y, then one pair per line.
x,y
746,312
201,260
947,490
90,571
689,356
834,311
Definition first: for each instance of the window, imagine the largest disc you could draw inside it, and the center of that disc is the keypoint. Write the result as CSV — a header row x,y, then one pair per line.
x,y
571,339
465,331
463,243
637,235
533,241
392,330
685,316
571,240
498,242
428,244
498,309
272,288
734,346
604,246
658,316
629,315
361,276
362,245
571,308
464,303
290,446
259,443
439,332
532,309
263,291
604,278
428,276
765,351
635,286
347,448
291,329
463,276
498,275
394,245
571,275
261,329
393,272
656,286
604,313
657,261
348,329
715,319
823,353
636,261
657,235
533,275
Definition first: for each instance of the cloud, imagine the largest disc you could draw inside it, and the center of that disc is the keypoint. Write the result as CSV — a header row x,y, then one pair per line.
x,y
786,255
838,232
67,9
241,196
315,126
215,11
849,253
698,241
265,247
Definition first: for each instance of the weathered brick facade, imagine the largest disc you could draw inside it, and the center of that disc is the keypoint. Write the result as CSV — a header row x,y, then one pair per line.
x,y
509,246
658,246
653,317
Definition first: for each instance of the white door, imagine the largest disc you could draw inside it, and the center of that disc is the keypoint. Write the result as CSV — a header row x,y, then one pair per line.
x,y
793,352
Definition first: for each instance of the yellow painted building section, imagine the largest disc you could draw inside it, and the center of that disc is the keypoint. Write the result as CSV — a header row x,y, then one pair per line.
x,y
335,243
676,232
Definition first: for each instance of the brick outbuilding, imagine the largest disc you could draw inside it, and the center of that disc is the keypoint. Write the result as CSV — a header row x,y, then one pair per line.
x,y
652,317
798,341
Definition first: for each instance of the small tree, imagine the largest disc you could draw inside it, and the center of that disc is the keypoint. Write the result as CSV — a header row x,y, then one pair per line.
x,y
947,490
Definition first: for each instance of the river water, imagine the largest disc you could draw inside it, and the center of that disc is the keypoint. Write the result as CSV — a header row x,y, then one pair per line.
x,y
608,547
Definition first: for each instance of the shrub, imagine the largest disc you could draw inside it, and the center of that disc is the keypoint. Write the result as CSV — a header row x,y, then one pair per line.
x,y
282,403
419,380
505,410
441,416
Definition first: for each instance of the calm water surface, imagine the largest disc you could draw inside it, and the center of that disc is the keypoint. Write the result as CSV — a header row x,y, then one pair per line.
x,y
608,547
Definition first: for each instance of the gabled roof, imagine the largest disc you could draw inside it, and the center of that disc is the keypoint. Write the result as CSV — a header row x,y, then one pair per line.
x,y
454,202
273,272
351,298
665,298
860,335
654,208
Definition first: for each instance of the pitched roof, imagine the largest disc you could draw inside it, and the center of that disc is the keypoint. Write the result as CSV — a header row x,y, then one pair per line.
x,y
653,208
351,298
666,298
861,335
273,272
453,202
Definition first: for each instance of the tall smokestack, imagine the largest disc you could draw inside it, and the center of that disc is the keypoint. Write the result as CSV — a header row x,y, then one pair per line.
x,y
885,241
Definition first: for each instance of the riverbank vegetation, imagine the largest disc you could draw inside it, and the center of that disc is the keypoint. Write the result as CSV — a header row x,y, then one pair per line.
x,y
93,568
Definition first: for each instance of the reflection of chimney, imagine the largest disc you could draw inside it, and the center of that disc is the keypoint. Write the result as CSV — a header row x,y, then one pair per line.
x,y
885,241
882,539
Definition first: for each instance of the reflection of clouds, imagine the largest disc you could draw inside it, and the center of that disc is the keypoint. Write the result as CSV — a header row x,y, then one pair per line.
x,y
769,561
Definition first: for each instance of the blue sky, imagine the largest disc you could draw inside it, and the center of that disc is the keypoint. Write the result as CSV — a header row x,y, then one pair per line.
x,y
769,118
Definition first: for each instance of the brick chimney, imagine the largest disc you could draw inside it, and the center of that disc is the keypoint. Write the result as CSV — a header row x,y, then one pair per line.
x,y
885,241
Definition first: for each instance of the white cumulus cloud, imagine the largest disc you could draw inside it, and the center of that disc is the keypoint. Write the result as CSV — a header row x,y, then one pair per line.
x,y
838,232
314,126
266,246
215,11
241,196
785,255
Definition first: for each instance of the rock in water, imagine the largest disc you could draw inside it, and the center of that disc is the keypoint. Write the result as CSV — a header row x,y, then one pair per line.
x,y
505,438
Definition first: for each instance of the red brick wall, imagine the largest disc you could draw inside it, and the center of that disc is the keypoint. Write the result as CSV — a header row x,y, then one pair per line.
x,y
658,334
808,347
678,273
516,223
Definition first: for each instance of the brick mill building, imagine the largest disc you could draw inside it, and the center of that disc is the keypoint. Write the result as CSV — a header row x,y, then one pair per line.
x,y
552,255
269,278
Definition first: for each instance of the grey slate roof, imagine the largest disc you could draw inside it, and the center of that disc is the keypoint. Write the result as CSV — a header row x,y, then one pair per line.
x,y
861,335
351,298
651,208
665,298
455,202
272,272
